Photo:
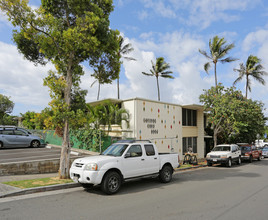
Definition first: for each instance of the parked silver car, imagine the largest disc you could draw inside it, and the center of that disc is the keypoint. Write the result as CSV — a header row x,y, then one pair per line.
x,y
11,136
265,152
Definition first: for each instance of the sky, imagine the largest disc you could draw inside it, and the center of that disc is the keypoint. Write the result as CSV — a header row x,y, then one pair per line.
x,y
173,29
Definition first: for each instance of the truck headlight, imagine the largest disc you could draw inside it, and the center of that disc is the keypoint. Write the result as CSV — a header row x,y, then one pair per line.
x,y
91,166
223,156
208,156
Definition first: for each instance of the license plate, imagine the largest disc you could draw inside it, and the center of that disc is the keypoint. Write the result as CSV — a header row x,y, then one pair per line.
x,y
214,160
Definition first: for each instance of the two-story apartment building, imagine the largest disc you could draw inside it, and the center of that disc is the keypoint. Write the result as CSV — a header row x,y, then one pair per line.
x,y
172,127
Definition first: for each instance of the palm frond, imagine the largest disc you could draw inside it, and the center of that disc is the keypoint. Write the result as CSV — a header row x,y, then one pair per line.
x,y
147,74
205,54
207,67
228,60
93,83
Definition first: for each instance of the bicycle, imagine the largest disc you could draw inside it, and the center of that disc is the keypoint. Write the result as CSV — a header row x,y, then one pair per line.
x,y
190,158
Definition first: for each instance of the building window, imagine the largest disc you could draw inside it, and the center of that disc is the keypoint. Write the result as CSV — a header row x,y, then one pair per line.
x,y
189,144
189,117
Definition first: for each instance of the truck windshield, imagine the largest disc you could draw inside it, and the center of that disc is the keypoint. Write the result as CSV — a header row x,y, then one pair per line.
x,y
246,148
221,148
115,150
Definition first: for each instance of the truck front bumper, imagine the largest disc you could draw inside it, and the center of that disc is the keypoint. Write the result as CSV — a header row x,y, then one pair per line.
x,y
243,157
217,160
86,176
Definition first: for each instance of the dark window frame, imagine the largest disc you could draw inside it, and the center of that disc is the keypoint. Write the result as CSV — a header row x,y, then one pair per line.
x,y
189,117
189,143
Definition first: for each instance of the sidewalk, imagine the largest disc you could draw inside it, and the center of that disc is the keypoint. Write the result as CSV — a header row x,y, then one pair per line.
x,y
6,190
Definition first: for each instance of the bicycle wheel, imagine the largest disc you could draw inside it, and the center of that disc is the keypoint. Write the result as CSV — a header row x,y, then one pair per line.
x,y
194,160
187,159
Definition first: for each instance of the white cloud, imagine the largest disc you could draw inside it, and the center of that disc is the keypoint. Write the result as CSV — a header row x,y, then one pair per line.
x,y
201,13
21,80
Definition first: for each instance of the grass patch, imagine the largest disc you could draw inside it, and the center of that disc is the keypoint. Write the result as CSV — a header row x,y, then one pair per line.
x,y
24,184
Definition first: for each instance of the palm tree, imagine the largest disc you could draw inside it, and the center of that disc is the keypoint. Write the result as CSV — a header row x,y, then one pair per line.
x,y
159,69
252,68
217,50
123,50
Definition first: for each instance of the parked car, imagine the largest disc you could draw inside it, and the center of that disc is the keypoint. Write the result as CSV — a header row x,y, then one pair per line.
x,y
122,161
265,152
224,154
261,143
250,152
12,136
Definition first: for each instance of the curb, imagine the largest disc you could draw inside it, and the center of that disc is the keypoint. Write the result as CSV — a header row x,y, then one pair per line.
x,y
189,168
41,189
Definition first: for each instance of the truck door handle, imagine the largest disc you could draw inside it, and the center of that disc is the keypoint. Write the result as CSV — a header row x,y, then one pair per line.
x,y
142,159
155,158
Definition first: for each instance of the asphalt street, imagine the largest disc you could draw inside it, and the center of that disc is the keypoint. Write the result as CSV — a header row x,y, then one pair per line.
x,y
239,192
11,155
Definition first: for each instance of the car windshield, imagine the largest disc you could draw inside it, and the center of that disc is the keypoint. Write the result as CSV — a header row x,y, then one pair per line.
x,y
246,148
265,149
221,148
115,150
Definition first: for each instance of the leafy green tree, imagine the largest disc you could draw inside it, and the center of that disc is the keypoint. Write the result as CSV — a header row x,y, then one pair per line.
x,y
252,68
66,32
28,120
124,49
160,69
232,117
218,49
6,107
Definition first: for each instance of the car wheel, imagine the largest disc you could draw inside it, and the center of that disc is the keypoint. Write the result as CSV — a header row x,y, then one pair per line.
x,y
250,159
209,164
165,175
111,183
239,161
35,143
1,144
229,162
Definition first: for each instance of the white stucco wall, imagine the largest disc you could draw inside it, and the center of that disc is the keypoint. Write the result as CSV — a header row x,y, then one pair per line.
x,y
162,124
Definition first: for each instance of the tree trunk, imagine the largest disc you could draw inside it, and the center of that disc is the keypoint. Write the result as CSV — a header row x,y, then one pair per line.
x,y
158,88
98,91
215,69
66,147
247,87
215,138
118,95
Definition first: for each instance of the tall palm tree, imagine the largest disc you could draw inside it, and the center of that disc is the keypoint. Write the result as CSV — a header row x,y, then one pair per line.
x,y
124,49
217,50
160,69
252,68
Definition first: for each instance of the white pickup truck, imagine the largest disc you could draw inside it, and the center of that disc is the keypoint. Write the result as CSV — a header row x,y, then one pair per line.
x,y
122,161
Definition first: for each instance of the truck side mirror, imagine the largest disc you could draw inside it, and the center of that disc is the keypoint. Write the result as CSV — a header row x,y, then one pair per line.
x,y
127,155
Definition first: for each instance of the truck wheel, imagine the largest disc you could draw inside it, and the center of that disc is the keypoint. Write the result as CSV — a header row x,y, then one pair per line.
x,y
111,183
165,175
259,158
250,159
239,161
1,144
229,162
